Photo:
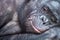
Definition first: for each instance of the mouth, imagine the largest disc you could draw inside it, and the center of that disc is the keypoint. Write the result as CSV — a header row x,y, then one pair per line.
x,y
37,24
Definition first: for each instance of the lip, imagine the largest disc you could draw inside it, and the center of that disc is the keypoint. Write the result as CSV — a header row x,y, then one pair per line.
x,y
32,23
35,28
39,30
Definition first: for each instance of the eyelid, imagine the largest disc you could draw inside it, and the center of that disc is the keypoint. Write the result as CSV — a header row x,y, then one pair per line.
x,y
45,8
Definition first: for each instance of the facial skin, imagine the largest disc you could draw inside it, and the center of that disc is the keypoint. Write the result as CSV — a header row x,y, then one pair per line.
x,y
38,17
41,17
32,16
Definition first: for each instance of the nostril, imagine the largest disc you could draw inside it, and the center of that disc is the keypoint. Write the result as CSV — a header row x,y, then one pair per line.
x,y
44,19
44,23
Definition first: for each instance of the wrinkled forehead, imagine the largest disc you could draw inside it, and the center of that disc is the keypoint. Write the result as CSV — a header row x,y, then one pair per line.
x,y
39,3
52,4
36,5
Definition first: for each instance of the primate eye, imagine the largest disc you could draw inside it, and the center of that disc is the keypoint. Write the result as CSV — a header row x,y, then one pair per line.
x,y
46,9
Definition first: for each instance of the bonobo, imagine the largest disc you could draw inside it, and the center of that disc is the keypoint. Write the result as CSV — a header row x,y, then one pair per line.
x,y
37,20
38,16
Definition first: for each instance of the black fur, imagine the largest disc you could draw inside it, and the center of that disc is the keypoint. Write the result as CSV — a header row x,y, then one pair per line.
x,y
15,29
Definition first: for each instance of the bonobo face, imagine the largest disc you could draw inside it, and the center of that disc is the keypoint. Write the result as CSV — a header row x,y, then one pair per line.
x,y
40,17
